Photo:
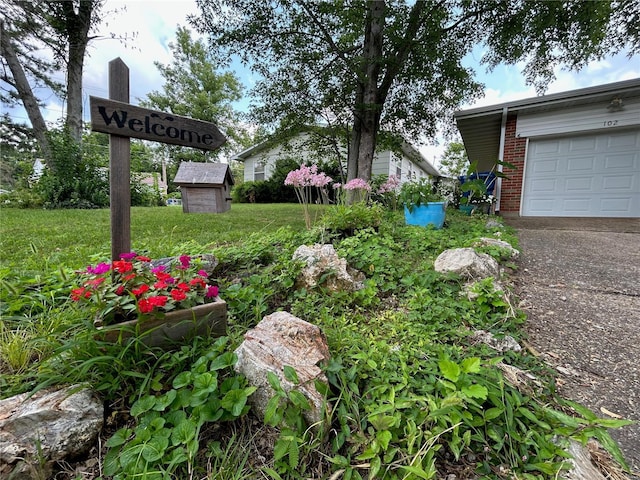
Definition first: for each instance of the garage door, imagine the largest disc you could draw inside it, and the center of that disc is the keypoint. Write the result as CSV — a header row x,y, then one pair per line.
x,y
595,175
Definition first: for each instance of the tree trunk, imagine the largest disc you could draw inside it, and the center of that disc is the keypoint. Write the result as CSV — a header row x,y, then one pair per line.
x,y
78,30
367,111
29,100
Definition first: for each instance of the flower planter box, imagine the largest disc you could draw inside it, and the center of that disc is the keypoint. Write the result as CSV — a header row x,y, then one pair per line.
x,y
432,213
173,328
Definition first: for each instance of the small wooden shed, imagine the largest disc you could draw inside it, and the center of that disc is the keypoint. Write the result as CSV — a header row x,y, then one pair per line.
x,y
205,187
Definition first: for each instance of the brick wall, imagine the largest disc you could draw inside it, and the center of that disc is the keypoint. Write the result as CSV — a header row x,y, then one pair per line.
x,y
514,151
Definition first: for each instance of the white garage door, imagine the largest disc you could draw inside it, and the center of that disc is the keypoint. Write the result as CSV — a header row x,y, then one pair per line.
x,y
595,175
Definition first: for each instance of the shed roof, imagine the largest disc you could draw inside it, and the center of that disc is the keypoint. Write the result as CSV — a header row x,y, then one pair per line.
x,y
480,127
198,174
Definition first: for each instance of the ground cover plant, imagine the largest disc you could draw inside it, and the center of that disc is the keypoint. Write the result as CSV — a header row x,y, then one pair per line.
x,y
410,395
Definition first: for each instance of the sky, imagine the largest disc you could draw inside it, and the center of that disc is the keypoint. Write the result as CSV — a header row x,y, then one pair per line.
x,y
154,23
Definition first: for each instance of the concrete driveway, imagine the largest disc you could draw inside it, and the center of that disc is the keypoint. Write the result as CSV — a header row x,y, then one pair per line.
x,y
579,282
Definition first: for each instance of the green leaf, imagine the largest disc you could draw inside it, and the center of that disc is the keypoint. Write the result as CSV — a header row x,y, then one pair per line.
x,y
182,380
492,413
119,438
291,374
227,359
184,432
294,455
470,365
450,370
384,437
274,381
144,404
299,400
163,401
155,448
205,382
374,466
476,391
234,401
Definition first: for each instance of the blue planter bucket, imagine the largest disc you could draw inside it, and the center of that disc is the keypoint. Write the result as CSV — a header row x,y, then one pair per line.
x,y
424,215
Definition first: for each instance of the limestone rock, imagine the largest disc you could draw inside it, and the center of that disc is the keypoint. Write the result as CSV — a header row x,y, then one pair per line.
x,y
467,263
582,468
493,223
51,425
324,266
494,242
282,339
500,344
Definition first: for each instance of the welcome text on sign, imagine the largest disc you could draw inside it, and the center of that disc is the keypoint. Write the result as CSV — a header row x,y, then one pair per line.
x,y
118,118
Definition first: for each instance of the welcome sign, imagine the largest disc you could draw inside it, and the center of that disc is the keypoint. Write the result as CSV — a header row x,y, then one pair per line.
x,y
125,120
121,121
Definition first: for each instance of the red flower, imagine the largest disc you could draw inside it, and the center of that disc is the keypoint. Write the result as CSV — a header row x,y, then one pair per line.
x,y
178,295
158,301
120,290
95,282
160,285
122,266
142,258
145,306
197,282
78,293
162,276
139,291
131,276
183,286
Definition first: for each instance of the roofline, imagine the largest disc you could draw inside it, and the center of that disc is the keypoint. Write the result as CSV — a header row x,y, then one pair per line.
x,y
408,149
551,99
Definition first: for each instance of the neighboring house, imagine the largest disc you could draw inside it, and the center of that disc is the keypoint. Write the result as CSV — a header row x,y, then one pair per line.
x,y
205,187
153,180
577,153
260,160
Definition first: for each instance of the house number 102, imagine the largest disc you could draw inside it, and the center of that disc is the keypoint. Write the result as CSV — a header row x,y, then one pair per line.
x,y
610,123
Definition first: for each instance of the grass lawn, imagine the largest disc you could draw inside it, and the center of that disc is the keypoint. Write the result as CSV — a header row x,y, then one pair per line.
x,y
33,239
411,396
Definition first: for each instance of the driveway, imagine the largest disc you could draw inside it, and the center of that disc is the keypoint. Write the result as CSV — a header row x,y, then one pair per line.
x,y
579,283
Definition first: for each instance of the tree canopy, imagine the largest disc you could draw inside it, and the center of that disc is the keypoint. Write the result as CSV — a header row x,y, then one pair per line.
x,y
398,66
194,88
63,29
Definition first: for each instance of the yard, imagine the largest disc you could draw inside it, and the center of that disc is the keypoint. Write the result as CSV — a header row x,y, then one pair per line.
x,y
411,396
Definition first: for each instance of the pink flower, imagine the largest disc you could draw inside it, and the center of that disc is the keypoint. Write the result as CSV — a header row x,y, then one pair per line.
x,y
212,291
99,269
390,185
203,273
185,260
128,256
158,269
357,184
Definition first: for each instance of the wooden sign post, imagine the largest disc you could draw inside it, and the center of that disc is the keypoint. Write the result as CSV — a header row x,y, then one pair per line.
x,y
119,167
121,121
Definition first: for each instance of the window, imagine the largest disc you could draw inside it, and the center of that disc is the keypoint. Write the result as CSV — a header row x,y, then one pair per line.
x,y
258,171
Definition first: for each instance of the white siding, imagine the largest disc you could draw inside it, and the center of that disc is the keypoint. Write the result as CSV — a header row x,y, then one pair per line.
x,y
585,118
